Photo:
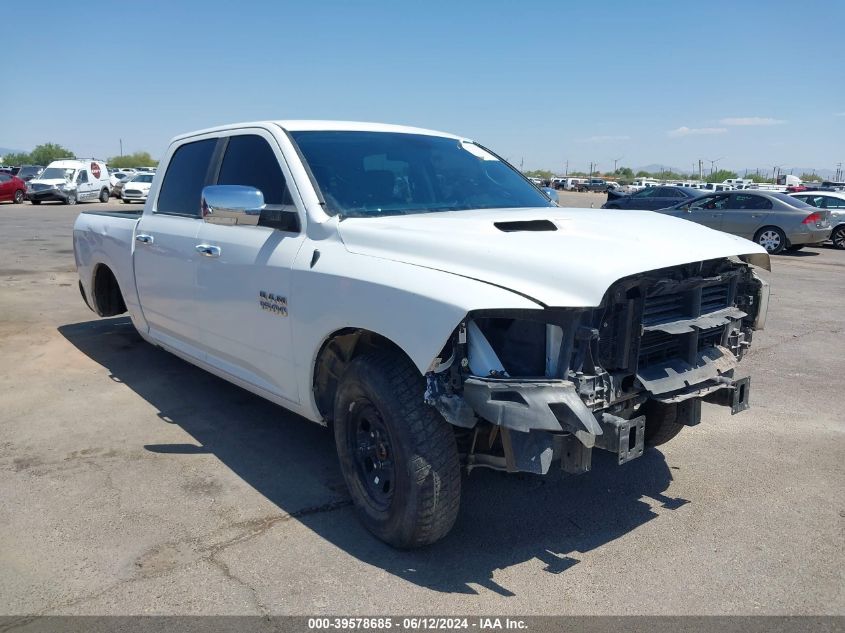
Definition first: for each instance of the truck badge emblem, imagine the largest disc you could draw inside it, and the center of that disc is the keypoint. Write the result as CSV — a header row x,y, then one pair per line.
x,y
276,304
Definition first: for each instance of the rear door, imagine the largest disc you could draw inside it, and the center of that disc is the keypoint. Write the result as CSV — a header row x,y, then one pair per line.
x,y
243,286
664,197
165,256
745,214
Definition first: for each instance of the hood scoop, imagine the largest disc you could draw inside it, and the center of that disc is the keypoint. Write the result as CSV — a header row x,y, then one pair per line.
x,y
525,225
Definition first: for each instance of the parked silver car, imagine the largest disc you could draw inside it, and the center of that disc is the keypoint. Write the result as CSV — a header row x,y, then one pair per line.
x,y
834,203
776,221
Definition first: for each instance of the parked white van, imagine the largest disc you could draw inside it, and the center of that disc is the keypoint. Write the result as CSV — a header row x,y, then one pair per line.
x,y
70,181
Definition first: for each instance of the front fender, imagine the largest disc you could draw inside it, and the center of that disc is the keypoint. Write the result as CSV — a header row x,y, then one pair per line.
x,y
414,307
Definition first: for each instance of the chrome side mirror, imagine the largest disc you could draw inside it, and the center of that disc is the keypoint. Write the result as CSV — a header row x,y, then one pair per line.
x,y
232,204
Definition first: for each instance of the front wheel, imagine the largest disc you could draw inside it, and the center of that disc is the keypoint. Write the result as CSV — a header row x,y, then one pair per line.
x,y
104,195
18,197
397,454
661,422
838,237
772,239
71,198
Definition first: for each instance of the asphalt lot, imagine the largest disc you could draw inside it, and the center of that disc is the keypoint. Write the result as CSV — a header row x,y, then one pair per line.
x,y
134,483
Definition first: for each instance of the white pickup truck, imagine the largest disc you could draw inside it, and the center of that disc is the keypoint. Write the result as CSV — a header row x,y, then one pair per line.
x,y
416,292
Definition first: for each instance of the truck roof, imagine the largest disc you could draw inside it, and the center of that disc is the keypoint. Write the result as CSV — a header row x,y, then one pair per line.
x,y
293,125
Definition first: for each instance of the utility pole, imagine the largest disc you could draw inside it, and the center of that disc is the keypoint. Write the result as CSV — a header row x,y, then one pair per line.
x,y
566,174
616,160
121,148
700,171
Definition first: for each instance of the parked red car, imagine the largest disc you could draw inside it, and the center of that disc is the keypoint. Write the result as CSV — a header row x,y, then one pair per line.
x,y
12,188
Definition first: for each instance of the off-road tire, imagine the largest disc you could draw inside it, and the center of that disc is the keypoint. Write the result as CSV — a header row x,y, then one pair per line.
x,y
660,422
426,490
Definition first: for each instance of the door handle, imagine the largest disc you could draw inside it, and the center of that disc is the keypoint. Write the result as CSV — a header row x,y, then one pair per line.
x,y
144,239
756,215
208,250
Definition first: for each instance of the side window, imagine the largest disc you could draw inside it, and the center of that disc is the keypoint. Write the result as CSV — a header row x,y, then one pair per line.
x,y
711,202
249,160
82,177
746,201
833,203
185,177
4,177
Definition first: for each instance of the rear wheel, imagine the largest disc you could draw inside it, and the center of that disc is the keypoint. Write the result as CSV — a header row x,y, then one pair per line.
x,y
18,196
104,195
772,239
838,237
397,454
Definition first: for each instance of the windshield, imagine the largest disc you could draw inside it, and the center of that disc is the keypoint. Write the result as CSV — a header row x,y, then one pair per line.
x,y
364,174
143,178
57,172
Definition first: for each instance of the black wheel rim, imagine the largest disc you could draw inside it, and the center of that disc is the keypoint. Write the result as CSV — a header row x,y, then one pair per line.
x,y
372,451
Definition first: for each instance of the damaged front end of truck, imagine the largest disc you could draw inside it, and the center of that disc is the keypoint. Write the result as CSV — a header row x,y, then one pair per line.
x,y
526,388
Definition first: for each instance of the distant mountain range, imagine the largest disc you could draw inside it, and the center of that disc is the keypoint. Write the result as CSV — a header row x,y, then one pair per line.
x,y
9,150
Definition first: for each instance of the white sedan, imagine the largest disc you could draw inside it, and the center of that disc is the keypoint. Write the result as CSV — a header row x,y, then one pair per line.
x,y
137,188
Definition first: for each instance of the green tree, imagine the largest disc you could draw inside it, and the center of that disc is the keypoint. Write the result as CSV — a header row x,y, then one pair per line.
x,y
138,159
809,177
721,175
578,174
48,152
757,177
542,174
17,158
624,173
643,174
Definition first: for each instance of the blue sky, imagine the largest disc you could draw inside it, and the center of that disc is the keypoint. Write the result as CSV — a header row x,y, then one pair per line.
x,y
754,83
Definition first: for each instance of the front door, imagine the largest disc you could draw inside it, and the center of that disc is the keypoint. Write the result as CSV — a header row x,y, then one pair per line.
x,y
165,255
244,275
708,210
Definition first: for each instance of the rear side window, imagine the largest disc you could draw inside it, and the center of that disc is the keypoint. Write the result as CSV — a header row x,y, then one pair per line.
x,y
185,177
747,201
249,160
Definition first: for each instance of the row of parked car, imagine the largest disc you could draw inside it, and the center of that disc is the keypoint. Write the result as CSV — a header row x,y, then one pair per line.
x,y
778,221
74,180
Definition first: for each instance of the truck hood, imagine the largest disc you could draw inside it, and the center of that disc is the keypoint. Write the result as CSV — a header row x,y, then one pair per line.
x,y
557,257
